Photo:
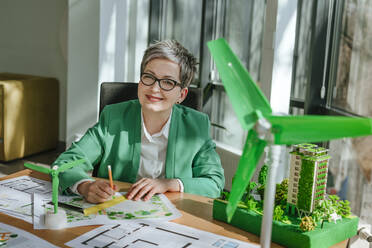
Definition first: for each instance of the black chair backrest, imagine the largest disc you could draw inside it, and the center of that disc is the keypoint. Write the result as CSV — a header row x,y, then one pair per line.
x,y
119,92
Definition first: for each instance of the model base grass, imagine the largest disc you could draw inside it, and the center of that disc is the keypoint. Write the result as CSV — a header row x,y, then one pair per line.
x,y
290,235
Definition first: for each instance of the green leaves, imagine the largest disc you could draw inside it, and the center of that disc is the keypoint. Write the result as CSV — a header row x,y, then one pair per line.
x,y
333,205
278,213
305,186
281,193
262,176
344,209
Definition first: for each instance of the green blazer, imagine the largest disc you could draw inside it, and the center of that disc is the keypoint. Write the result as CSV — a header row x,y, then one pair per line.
x,y
116,140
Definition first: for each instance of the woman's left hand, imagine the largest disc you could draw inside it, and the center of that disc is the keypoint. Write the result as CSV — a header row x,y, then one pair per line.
x,y
147,187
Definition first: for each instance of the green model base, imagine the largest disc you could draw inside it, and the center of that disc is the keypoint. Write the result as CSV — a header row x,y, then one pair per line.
x,y
290,235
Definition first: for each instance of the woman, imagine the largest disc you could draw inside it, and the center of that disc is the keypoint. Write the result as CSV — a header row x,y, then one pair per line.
x,y
152,142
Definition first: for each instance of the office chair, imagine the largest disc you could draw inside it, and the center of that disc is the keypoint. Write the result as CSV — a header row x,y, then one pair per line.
x,y
119,92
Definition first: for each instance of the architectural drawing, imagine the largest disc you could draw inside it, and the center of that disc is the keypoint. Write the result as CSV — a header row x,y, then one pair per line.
x,y
158,207
16,204
16,238
28,185
16,195
151,234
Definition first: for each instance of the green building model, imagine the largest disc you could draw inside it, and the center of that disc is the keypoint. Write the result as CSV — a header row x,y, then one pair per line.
x,y
307,178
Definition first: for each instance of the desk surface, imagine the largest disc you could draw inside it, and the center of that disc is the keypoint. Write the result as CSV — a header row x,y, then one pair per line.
x,y
196,212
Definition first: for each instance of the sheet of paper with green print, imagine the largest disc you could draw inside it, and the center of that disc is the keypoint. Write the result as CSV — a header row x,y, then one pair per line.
x,y
157,208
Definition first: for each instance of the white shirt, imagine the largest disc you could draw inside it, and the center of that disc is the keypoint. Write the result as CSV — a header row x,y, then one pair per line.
x,y
153,155
153,152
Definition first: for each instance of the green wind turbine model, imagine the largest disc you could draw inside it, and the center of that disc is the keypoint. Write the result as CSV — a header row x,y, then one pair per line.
x,y
255,115
55,220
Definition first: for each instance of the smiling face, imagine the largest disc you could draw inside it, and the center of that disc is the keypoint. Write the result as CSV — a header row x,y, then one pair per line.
x,y
152,98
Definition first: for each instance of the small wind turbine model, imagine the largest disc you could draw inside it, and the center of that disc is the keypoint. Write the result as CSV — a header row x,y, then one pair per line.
x,y
255,115
56,219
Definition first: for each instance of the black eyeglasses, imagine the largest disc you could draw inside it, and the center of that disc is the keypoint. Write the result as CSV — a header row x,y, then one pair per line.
x,y
165,83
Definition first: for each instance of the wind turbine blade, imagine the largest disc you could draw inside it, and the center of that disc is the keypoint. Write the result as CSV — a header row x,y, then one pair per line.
x,y
69,165
311,128
244,94
38,168
252,152
55,183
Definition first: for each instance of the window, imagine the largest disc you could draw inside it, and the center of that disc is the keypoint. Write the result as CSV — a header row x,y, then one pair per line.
x,y
194,23
242,27
340,70
177,19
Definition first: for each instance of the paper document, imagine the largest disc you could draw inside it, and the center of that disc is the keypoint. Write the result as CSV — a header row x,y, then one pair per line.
x,y
157,208
28,185
154,234
16,238
16,195
16,203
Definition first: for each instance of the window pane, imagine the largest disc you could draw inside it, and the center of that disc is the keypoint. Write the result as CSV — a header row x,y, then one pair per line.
x,y
302,51
244,32
179,20
350,171
296,111
353,88
224,115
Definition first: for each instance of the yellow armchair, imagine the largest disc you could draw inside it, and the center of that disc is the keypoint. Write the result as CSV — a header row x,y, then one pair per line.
x,y
28,115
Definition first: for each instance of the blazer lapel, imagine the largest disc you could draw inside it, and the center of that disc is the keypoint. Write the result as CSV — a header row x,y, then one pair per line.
x,y
135,140
171,149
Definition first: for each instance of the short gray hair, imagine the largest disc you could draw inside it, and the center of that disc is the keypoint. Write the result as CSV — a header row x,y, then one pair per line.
x,y
175,52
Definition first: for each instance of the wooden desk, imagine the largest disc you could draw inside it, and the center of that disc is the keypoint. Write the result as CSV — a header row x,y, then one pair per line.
x,y
196,212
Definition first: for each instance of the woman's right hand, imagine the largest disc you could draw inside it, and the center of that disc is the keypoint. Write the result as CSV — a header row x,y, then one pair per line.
x,y
96,191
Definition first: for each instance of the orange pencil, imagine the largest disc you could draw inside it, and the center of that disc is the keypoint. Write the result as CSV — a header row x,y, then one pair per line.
x,y
110,176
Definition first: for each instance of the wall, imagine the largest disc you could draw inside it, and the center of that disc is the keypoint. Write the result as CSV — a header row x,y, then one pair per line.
x,y
283,56
83,65
104,46
34,40
113,24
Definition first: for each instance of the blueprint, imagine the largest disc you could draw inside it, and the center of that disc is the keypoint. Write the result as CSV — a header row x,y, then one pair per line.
x,y
16,195
16,238
28,185
16,203
147,234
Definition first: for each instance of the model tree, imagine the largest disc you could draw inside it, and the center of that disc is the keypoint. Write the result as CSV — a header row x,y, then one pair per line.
x,y
281,193
262,176
307,224
344,208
